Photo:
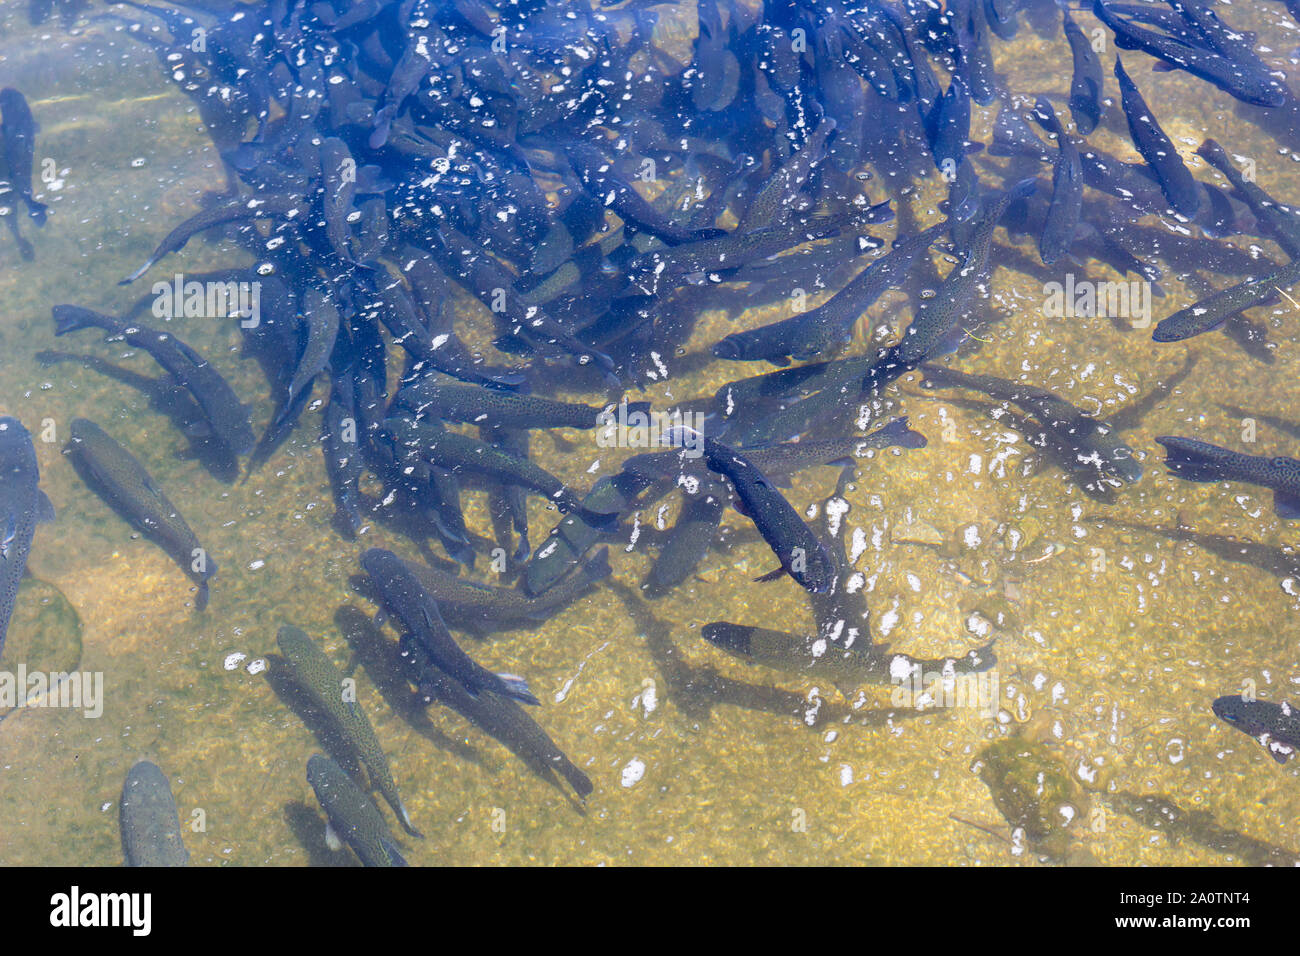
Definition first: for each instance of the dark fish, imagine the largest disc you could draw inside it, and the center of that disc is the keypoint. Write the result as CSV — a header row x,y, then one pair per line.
x,y
789,457
428,490
407,599
1180,189
151,827
525,319
776,198
1210,313
1134,183
725,254
338,190
457,452
228,418
481,608
975,56
830,325
113,473
8,212
1086,85
436,343
689,540
598,175
833,395
963,193
815,658
1194,460
924,83
1217,34
1066,204
499,717
508,503
844,97
321,317
352,817
316,674
23,505
341,445
19,132
411,69
948,125
1093,447
235,210
571,538
1275,726
780,460
939,323
801,554
1247,82
1001,17
497,408
716,78
1282,221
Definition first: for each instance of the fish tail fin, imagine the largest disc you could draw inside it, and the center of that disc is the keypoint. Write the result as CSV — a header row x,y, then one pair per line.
x,y
516,688
404,818
580,782
383,123
597,566
900,433
1045,114
394,853
600,520
201,599
71,319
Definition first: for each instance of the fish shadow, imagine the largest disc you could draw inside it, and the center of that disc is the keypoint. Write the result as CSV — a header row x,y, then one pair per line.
x,y
309,830
387,668
169,399
1279,562
698,690
382,661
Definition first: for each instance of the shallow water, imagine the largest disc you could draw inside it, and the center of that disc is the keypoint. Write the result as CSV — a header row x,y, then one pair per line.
x,y
1113,644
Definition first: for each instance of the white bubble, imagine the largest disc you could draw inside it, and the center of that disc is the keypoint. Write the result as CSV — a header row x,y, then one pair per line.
x,y
633,772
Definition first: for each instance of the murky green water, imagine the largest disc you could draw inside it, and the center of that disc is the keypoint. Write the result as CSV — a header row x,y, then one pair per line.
x,y
1115,639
